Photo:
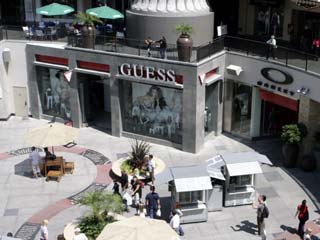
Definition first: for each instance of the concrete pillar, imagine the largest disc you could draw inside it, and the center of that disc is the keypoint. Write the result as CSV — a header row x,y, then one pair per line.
x,y
116,120
193,112
227,106
255,113
76,115
309,114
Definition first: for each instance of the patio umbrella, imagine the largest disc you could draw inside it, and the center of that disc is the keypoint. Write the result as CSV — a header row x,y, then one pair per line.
x,y
105,12
54,9
51,135
138,228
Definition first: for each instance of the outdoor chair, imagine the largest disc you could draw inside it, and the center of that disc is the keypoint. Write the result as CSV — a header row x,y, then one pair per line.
x,y
69,167
27,32
40,35
52,33
54,174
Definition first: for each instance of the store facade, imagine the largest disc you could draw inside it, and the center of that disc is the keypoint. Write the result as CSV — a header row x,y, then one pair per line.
x,y
156,100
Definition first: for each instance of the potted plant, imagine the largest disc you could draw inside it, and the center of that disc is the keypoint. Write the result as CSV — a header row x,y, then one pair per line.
x,y
101,204
290,138
136,161
88,29
184,42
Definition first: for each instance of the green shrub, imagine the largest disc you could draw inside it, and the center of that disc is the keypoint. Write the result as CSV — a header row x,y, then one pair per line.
x,y
184,29
101,203
290,134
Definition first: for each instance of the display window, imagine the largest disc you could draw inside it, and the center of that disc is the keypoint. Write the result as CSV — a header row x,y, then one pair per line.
x,y
269,21
241,117
191,197
241,181
152,110
54,92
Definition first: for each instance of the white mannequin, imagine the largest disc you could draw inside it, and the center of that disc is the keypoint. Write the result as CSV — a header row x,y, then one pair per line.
x,y
266,22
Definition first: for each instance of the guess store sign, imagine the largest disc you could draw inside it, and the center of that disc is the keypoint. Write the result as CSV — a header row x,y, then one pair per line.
x,y
150,73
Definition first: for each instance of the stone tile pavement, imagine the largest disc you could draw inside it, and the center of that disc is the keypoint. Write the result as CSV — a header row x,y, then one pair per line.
x,y
22,198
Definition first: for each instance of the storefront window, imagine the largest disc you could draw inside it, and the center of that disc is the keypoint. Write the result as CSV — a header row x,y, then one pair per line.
x,y
190,197
54,91
241,114
152,110
240,181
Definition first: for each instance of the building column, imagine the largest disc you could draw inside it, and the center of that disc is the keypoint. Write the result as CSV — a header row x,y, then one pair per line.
x,y
193,111
227,105
255,113
116,120
75,106
309,114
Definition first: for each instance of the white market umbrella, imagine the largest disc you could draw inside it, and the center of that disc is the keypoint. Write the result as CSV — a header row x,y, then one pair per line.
x,y
55,134
138,228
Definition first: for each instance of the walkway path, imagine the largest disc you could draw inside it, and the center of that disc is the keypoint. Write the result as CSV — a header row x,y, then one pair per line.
x,y
26,201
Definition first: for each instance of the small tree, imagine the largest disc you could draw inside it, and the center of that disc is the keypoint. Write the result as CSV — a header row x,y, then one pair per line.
x,y
290,134
184,29
101,204
87,19
139,149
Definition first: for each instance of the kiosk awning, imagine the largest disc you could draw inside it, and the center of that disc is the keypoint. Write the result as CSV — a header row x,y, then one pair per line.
x,y
193,184
245,168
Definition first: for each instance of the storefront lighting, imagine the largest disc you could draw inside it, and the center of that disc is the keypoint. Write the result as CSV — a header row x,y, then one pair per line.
x,y
307,3
303,90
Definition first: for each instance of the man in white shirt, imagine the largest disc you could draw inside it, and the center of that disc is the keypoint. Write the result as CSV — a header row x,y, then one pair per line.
x,y
272,45
35,158
78,235
175,223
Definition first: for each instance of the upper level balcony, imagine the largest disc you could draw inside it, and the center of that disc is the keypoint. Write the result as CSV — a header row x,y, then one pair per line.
x,y
308,62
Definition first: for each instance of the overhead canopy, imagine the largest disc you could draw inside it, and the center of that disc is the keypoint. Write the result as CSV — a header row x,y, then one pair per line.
x,y
215,173
240,157
245,168
105,12
234,70
191,178
54,9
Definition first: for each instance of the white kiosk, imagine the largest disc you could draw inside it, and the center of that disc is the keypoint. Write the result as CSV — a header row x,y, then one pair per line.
x,y
189,188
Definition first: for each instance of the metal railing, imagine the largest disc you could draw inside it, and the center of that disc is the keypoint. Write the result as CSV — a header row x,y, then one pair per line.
x,y
286,56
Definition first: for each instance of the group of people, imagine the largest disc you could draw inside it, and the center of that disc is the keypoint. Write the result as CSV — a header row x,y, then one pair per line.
x,y
263,212
35,160
162,46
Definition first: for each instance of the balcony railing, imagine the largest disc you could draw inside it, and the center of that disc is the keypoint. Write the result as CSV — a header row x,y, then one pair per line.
x,y
286,56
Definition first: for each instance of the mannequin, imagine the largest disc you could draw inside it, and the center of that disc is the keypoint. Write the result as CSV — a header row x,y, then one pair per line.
x,y
266,22
275,22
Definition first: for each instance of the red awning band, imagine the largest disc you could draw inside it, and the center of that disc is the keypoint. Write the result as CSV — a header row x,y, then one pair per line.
x,y
279,100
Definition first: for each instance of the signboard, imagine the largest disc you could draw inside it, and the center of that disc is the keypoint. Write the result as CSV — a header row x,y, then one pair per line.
x,y
148,72
222,30
277,76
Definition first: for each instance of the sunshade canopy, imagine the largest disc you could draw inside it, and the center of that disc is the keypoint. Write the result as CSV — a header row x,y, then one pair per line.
x,y
105,12
245,168
51,135
191,178
138,228
54,9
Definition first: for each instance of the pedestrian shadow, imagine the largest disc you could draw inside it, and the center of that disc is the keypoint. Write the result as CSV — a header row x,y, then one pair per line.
x,y
289,229
23,169
245,226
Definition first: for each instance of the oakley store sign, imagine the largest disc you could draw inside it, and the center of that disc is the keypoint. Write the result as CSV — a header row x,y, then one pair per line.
x,y
150,73
277,80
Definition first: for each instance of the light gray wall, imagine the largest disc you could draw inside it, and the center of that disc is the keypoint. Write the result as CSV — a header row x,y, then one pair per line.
x,y
140,26
251,74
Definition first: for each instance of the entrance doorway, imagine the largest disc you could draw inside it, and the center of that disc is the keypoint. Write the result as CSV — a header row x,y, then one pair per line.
x,y
20,101
274,116
95,101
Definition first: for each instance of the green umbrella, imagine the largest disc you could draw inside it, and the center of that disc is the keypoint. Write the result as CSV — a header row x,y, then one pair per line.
x,y
105,12
54,9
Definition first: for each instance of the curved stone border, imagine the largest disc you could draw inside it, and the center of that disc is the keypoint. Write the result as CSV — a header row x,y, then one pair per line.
x,y
160,166
30,228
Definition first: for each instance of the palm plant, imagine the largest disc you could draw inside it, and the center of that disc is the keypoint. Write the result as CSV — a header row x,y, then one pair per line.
x,y
139,149
184,29
87,19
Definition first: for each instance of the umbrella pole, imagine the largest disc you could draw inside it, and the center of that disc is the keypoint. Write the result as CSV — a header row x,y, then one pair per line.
x,y
52,150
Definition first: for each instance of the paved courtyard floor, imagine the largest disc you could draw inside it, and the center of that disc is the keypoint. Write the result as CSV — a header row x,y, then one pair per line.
x,y
24,201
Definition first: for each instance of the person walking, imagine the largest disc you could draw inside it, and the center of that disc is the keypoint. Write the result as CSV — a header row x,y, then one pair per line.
x,y
35,158
148,41
262,213
151,166
124,180
272,45
137,191
162,47
303,216
175,223
152,202
44,234
78,235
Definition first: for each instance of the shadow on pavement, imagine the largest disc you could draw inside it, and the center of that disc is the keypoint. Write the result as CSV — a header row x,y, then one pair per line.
x,y
23,169
288,229
245,226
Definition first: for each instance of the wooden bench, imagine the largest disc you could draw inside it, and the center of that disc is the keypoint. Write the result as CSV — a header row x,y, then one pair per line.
x,y
54,174
69,167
